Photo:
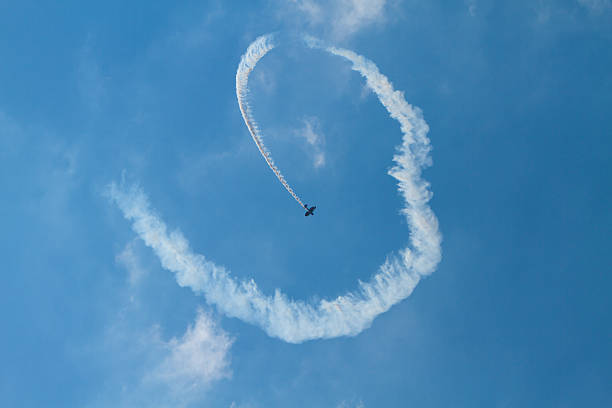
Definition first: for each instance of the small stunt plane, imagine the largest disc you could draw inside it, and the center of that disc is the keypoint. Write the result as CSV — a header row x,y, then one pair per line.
x,y
309,211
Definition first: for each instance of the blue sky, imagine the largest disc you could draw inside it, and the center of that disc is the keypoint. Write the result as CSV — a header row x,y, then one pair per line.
x,y
517,96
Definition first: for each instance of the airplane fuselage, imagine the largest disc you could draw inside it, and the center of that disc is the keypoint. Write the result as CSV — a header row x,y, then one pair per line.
x,y
309,211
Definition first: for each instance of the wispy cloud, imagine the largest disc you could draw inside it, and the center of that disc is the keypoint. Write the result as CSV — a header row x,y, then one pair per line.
x,y
346,17
472,7
92,83
595,6
155,372
198,358
310,9
130,260
315,140
351,404
357,14
12,136
191,31
244,405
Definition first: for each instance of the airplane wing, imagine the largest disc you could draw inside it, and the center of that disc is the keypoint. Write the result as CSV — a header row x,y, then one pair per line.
x,y
307,214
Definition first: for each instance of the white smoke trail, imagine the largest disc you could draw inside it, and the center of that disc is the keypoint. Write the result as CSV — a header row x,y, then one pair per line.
x,y
253,54
293,320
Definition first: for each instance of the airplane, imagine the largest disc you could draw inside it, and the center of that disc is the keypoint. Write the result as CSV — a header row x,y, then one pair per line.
x,y
309,211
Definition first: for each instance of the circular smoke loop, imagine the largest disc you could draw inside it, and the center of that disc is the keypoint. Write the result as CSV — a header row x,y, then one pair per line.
x,y
296,321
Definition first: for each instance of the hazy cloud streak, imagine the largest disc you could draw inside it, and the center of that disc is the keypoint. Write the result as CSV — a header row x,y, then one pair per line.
x,y
315,140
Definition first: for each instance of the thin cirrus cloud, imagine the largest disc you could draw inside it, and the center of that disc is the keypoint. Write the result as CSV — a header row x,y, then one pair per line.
x,y
348,404
296,321
472,7
596,6
315,140
129,259
345,17
12,135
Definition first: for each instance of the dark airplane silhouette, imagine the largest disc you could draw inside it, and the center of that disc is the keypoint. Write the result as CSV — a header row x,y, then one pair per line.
x,y
309,211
